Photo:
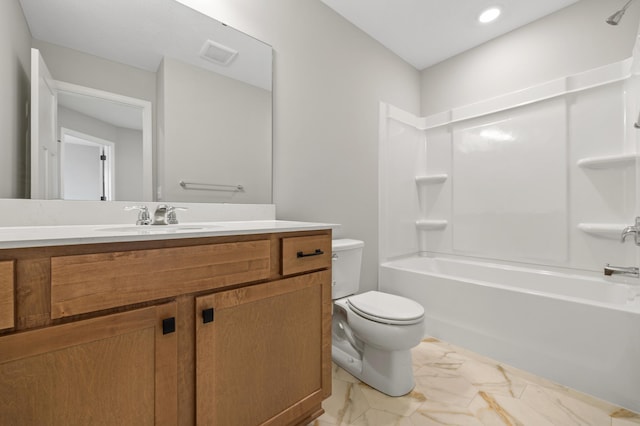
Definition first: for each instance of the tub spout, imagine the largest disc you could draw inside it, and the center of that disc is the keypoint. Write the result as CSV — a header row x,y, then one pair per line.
x,y
621,270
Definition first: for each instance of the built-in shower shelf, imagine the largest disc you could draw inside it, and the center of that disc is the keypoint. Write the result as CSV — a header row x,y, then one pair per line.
x,y
608,162
431,179
605,230
431,225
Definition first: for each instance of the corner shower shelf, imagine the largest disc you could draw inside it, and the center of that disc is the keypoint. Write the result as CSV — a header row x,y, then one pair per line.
x,y
605,230
608,162
431,179
431,225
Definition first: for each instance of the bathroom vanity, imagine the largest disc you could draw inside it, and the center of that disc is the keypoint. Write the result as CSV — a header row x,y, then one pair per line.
x,y
220,326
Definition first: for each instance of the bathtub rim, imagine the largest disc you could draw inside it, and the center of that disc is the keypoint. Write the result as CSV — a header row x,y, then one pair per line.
x,y
621,283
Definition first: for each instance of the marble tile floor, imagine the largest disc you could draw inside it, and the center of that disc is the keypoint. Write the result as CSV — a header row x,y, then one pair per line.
x,y
458,387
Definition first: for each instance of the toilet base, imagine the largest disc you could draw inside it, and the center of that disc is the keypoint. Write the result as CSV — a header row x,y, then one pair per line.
x,y
390,372
348,361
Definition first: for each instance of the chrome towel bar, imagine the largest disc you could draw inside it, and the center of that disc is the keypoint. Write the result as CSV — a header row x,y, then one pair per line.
x,y
211,186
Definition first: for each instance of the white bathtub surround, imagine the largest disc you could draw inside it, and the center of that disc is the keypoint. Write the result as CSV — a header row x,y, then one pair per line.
x,y
540,175
18,212
455,386
499,217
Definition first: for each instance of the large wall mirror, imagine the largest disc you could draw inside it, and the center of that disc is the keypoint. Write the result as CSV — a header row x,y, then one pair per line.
x,y
146,100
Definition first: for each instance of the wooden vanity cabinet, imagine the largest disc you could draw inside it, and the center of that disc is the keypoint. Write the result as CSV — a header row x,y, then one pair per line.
x,y
116,369
198,331
260,350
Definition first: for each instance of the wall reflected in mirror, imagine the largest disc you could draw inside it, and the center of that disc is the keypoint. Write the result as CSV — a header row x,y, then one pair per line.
x,y
208,85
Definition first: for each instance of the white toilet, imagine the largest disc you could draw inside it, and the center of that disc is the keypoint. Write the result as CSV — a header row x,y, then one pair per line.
x,y
373,332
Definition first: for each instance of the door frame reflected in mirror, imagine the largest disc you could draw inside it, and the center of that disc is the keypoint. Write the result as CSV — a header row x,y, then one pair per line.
x,y
101,95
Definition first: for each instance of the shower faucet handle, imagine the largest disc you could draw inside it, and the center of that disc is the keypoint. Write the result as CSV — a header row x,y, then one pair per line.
x,y
632,229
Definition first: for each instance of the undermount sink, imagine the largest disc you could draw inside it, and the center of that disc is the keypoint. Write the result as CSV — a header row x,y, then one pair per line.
x,y
157,229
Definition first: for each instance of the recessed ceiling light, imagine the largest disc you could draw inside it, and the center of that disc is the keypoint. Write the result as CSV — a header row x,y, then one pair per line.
x,y
489,15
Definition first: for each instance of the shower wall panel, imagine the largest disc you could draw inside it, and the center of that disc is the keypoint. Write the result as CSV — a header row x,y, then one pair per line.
x,y
402,153
435,198
606,193
510,184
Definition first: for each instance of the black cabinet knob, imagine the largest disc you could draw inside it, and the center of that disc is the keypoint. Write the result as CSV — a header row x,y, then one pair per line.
x,y
207,315
168,325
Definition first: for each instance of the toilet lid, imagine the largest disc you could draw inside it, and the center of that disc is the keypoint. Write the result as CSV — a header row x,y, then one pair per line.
x,y
386,308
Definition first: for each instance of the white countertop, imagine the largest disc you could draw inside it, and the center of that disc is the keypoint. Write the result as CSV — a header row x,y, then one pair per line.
x,y
39,236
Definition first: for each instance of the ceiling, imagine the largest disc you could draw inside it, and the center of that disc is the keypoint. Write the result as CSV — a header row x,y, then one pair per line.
x,y
425,32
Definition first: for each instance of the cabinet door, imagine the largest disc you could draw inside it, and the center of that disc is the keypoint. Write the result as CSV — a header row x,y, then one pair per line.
x,y
263,353
114,370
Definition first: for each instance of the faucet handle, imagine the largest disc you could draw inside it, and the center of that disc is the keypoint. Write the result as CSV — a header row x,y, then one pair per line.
x,y
144,218
172,218
632,229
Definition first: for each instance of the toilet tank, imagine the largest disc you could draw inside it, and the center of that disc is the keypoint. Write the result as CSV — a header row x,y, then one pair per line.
x,y
347,261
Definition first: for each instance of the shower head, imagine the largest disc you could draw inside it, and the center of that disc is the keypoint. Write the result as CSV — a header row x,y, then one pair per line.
x,y
616,17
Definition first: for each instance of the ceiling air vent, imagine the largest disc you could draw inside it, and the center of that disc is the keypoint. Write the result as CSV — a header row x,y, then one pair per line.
x,y
217,53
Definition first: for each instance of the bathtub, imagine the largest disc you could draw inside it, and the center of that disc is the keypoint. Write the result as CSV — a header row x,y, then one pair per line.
x,y
582,331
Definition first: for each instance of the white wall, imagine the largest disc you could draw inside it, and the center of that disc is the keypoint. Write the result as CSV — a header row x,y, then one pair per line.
x,y
571,40
215,130
329,78
15,41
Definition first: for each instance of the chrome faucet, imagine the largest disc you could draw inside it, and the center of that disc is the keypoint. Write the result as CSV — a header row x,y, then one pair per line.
x,y
621,270
633,229
143,214
166,215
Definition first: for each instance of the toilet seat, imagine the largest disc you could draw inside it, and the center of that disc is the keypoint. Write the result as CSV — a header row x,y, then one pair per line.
x,y
386,308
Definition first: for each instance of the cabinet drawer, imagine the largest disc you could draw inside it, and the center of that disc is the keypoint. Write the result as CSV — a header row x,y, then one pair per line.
x,y
302,254
93,282
6,295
